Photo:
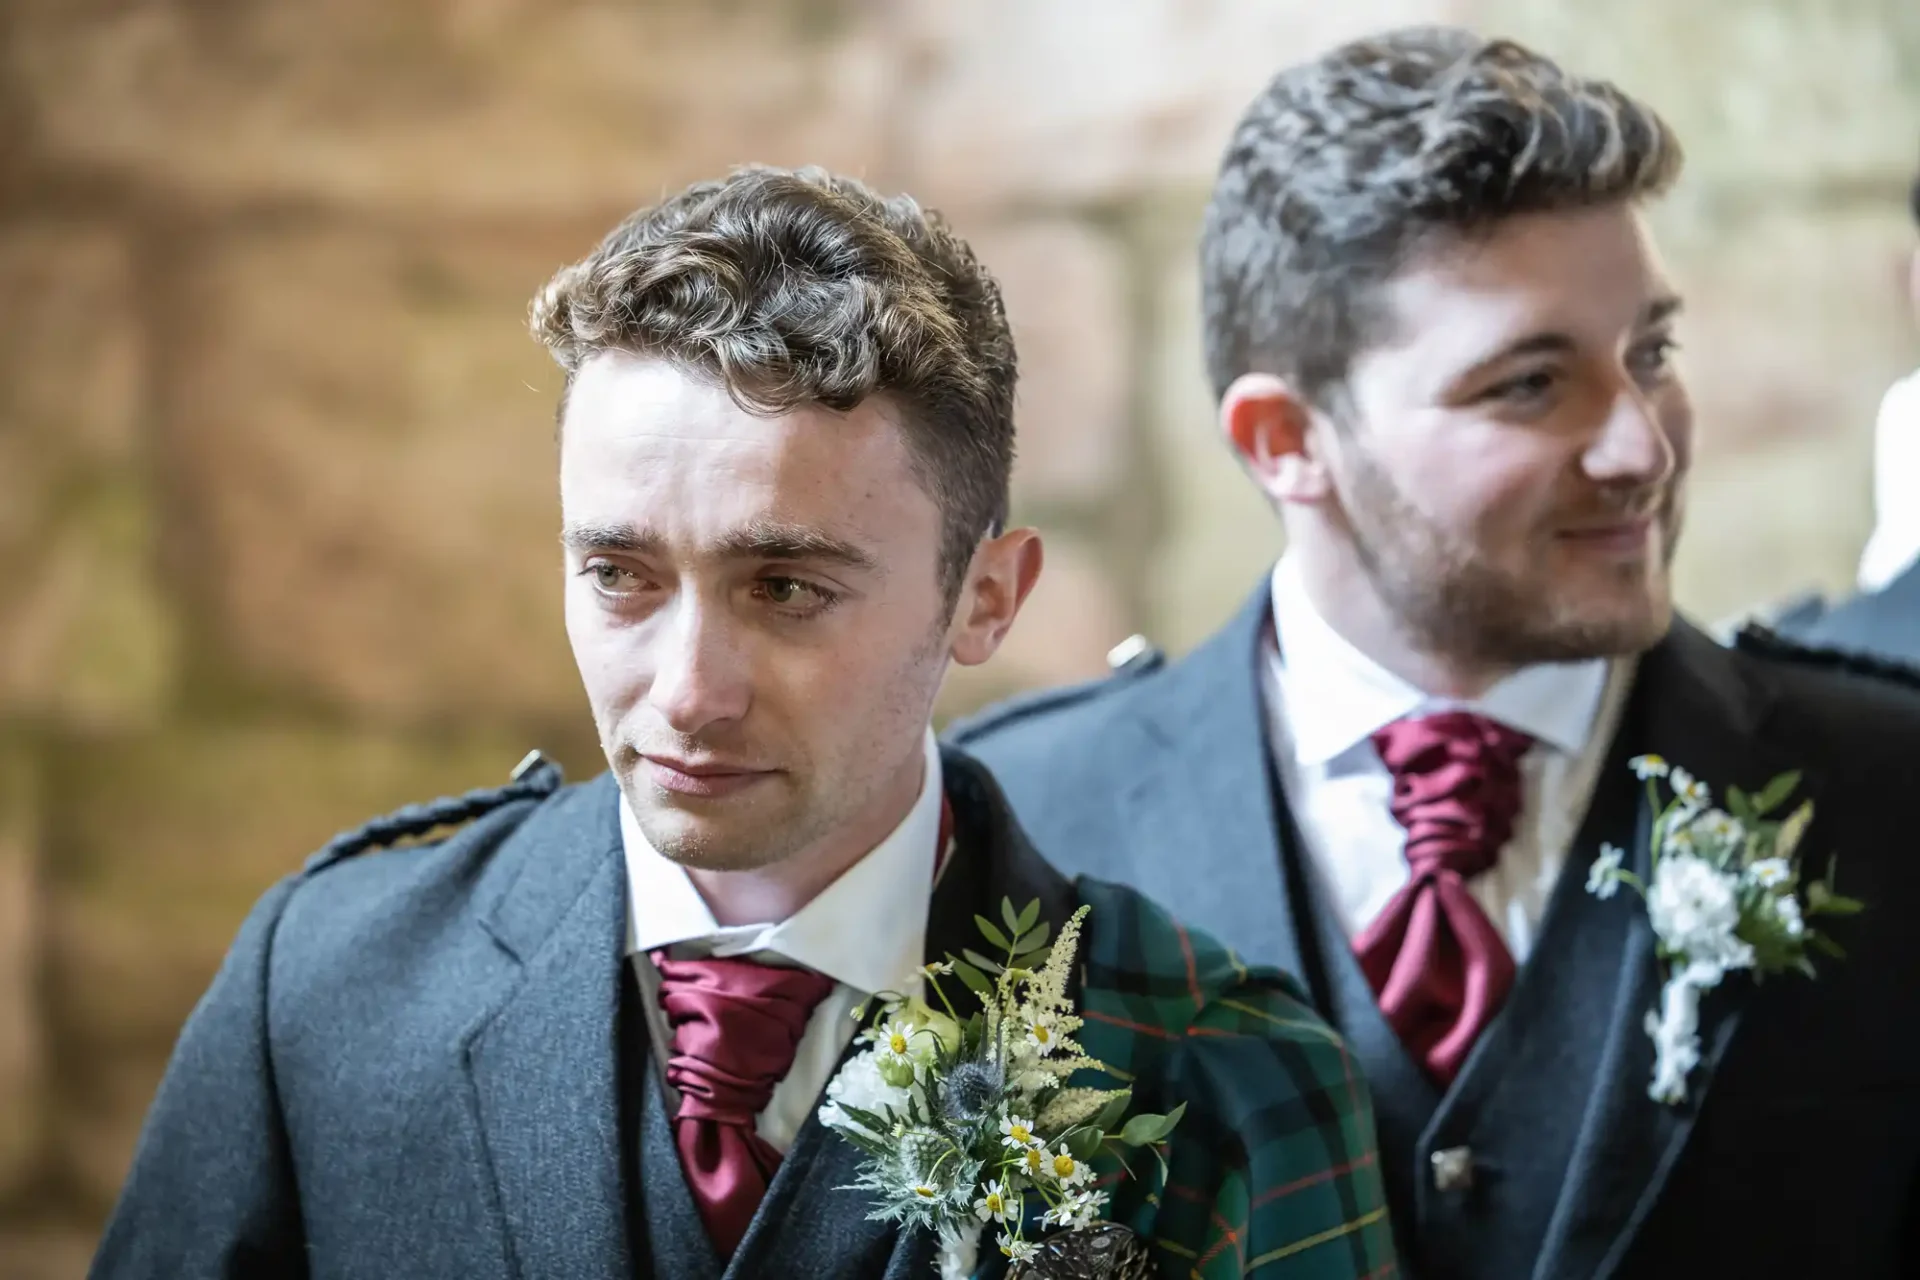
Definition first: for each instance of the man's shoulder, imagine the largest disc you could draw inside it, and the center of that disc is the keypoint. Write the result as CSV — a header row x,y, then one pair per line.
x,y
1831,685
1046,717
1885,622
399,880
1069,742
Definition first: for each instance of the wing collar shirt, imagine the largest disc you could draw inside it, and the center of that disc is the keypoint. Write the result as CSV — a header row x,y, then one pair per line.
x,y
1895,544
867,931
1324,701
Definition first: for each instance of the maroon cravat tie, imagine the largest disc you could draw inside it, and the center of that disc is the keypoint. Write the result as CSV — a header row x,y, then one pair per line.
x,y
1438,966
736,1024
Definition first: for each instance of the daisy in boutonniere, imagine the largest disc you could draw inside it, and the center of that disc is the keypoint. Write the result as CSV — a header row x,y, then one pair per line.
x,y
1017,1133
998,1204
1724,894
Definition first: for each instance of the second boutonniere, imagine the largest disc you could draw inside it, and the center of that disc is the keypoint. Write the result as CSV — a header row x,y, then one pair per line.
x,y
1724,893
966,1121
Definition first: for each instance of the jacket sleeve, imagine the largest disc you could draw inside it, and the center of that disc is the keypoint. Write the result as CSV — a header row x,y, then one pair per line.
x,y
1273,1172
211,1192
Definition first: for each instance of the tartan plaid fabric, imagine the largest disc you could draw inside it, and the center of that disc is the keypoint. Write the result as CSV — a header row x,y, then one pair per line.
x,y
1273,1170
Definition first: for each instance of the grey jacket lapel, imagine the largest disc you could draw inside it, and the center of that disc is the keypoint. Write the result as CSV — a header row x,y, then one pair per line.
x,y
1691,705
1204,813
677,1241
543,1060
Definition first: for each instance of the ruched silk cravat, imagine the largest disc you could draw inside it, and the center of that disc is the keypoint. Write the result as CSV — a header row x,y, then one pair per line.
x,y
1439,967
736,1024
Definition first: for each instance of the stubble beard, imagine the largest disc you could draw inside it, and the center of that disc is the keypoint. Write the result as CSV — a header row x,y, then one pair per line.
x,y
1448,600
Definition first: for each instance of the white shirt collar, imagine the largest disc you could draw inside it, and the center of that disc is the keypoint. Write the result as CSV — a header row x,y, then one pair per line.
x,y
1895,544
868,929
1337,697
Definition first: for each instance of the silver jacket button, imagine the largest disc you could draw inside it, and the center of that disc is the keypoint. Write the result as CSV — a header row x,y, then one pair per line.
x,y
1453,1169
1131,652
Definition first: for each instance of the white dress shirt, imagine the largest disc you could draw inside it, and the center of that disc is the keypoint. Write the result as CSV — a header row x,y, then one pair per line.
x,y
1895,543
1324,701
867,931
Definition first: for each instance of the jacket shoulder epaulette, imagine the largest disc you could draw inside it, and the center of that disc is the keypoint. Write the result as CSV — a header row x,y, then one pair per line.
x,y
1767,643
1132,658
534,778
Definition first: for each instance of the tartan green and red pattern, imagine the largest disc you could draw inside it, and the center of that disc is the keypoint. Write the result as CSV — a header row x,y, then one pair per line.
x,y
1273,1172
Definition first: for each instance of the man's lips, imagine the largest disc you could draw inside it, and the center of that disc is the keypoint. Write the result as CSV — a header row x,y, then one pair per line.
x,y
1616,535
700,777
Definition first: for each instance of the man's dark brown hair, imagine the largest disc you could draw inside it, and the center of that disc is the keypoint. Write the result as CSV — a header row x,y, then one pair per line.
x,y
798,287
1347,167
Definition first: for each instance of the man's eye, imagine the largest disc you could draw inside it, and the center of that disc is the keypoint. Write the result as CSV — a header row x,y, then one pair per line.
x,y
794,594
783,590
611,577
1528,386
1653,358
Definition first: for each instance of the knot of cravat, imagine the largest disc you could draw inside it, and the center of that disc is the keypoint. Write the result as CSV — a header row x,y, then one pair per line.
x,y
1438,965
1456,788
736,1026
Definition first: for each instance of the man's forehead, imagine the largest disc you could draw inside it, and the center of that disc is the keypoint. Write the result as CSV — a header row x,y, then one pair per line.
x,y
1607,252
1500,290
654,449
630,413
658,393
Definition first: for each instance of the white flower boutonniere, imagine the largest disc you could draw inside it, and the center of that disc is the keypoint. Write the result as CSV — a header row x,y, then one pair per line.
x,y
963,1120
1725,894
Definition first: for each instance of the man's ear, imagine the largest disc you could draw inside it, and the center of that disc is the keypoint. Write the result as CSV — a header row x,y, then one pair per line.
x,y
1002,574
1275,433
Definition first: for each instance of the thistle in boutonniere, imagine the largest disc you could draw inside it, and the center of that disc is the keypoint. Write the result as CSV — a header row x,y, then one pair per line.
x,y
967,1122
1724,894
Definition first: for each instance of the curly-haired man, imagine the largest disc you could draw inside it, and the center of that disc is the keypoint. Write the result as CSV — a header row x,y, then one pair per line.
x,y
589,1035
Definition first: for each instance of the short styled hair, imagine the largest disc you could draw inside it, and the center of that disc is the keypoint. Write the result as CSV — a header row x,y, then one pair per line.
x,y
1348,166
800,287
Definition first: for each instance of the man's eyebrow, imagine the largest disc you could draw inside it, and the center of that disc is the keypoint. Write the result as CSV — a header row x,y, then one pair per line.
x,y
1551,342
771,540
1557,342
610,537
1662,308
759,540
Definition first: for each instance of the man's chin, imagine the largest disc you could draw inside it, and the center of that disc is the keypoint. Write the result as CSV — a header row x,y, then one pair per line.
x,y
1616,633
709,846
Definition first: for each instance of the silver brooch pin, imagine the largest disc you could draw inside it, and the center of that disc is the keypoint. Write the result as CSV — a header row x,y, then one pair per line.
x,y
1102,1251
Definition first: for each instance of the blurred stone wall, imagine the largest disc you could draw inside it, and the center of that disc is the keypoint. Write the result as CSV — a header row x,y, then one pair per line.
x,y
276,510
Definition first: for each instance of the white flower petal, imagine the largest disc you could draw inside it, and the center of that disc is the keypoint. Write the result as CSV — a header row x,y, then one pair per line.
x,y
1694,907
1674,1030
1018,1250
1603,879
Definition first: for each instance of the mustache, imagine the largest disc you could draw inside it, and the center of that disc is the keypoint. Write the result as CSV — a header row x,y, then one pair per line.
x,y
1656,502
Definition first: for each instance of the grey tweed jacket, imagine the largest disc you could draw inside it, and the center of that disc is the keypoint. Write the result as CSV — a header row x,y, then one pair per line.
x,y
427,1062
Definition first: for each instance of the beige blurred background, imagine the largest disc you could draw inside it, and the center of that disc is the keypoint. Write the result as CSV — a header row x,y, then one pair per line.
x,y
276,508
